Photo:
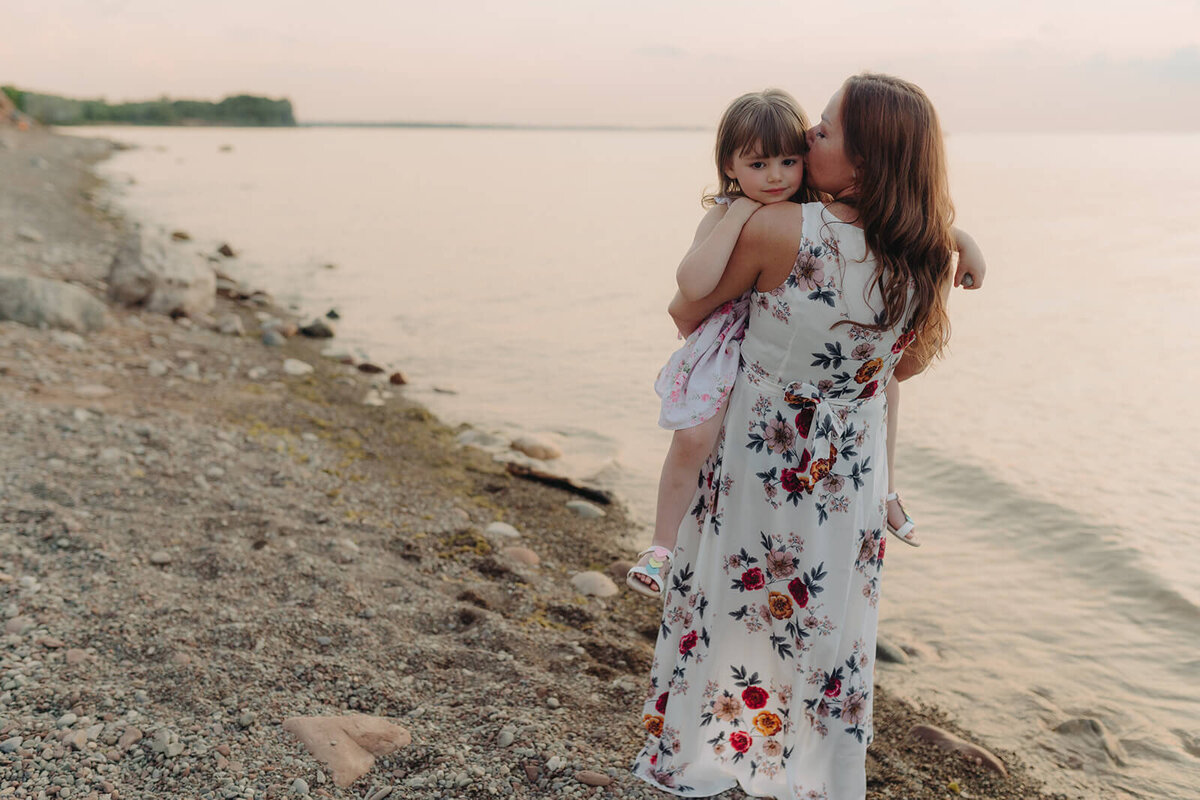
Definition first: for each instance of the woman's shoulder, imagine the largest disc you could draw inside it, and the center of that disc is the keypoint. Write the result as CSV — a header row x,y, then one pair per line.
x,y
778,222
781,214
773,235
791,213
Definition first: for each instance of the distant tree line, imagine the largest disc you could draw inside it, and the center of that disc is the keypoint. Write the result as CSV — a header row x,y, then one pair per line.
x,y
242,109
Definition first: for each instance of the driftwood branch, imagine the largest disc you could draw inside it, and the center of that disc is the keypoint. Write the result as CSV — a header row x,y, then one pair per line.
x,y
559,482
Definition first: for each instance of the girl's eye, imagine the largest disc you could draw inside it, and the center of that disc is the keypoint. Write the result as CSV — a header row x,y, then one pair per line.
x,y
756,165
789,162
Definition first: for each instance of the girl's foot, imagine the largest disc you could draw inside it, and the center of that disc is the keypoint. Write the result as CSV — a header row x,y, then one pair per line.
x,y
899,523
649,575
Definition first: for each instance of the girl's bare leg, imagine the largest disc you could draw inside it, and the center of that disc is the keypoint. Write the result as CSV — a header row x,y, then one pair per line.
x,y
895,514
677,483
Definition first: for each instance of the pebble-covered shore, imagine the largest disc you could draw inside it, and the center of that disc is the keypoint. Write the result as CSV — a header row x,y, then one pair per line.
x,y
197,543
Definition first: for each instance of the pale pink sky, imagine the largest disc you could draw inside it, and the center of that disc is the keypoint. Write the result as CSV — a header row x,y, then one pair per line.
x,y
1016,65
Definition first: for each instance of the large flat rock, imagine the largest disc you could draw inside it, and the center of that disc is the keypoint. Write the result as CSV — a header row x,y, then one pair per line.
x,y
40,302
153,273
348,744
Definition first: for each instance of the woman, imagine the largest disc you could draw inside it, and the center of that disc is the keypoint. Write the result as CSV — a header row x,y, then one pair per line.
x,y
763,670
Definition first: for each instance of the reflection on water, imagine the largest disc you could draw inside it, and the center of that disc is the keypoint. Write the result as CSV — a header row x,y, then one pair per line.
x,y
1048,459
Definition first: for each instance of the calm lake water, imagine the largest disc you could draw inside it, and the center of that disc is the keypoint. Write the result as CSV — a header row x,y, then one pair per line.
x,y
1050,459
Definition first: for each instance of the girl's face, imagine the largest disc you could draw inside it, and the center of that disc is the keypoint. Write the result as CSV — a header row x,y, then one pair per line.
x,y
767,180
829,170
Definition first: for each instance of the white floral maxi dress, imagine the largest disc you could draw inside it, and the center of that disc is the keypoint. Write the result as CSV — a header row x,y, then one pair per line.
x,y
762,673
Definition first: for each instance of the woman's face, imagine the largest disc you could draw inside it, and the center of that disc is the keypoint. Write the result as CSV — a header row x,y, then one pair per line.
x,y
826,165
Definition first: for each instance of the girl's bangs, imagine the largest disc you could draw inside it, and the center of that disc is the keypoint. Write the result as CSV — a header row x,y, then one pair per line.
x,y
778,134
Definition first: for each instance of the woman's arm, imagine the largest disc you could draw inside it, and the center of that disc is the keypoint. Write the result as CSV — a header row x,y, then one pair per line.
x,y
767,246
702,267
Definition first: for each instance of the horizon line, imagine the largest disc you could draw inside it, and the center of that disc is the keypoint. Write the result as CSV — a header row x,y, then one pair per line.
x,y
520,126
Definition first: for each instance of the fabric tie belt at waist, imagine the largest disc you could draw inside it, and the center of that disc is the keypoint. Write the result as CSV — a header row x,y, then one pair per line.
x,y
826,416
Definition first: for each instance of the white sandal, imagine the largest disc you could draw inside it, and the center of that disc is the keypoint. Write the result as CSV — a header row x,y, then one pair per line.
x,y
907,532
656,568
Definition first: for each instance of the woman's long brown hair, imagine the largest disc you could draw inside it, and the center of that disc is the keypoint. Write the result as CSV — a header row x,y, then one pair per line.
x,y
902,196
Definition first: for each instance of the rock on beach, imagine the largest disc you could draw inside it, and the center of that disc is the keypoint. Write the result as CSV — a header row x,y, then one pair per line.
x,y
521,555
585,509
1092,731
947,741
589,778
76,656
144,272
348,744
886,650
231,325
502,530
38,302
296,367
318,329
594,584
618,569
28,234
536,447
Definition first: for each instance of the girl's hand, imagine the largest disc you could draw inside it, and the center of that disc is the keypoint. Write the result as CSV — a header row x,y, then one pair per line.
x,y
970,273
743,207
968,278
972,267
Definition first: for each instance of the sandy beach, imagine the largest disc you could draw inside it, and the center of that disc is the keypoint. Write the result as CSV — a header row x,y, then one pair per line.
x,y
196,545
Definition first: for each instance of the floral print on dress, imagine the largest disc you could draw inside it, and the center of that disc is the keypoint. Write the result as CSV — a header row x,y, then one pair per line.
x,y
763,669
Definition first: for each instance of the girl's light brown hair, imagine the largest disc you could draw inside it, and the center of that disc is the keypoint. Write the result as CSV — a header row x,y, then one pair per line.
x,y
770,121
902,196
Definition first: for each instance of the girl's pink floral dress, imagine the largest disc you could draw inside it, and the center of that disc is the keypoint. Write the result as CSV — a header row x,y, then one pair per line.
x,y
698,376
763,674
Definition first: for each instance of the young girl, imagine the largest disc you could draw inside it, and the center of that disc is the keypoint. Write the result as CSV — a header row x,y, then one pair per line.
x,y
759,156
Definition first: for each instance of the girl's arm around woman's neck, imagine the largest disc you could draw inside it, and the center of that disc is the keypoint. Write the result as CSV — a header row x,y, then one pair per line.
x,y
763,257
701,269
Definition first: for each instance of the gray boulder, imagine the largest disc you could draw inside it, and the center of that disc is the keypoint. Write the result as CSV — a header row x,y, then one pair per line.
x,y
146,272
886,650
1089,730
40,302
594,584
